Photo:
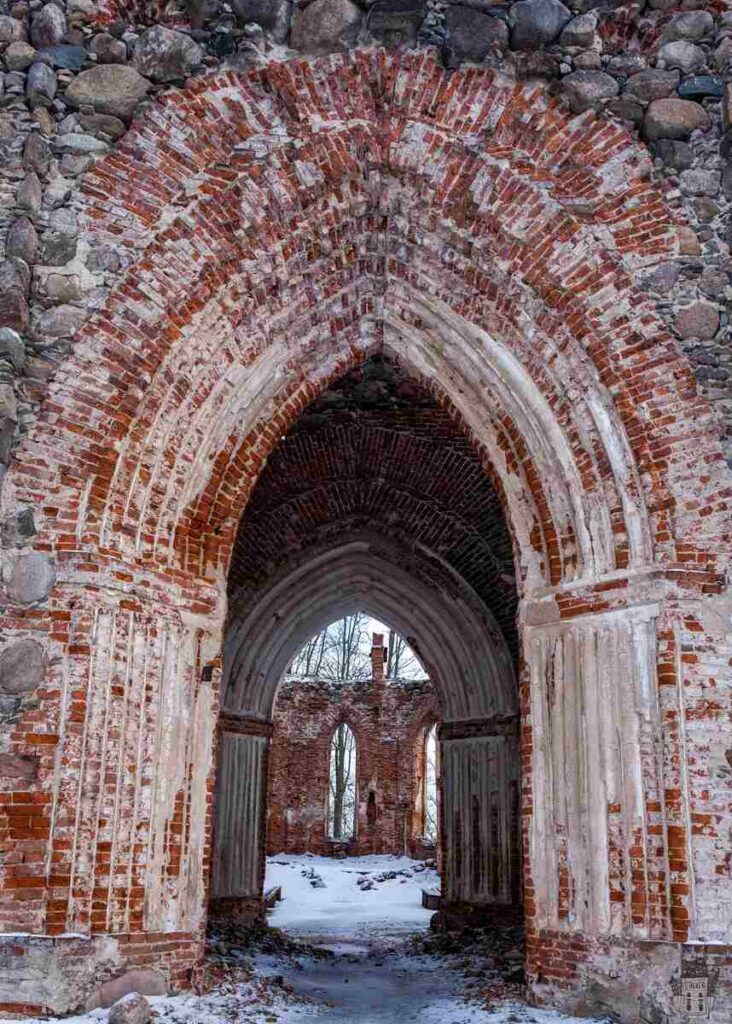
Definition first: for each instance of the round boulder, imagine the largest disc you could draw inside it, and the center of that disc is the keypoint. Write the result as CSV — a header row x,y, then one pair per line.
x,y
13,301
18,768
397,22
272,15
58,248
31,579
22,240
19,55
699,320
21,667
723,54
60,321
584,89
131,1009
627,109
587,60
37,154
110,89
8,420
165,55
674,119
48,26
325,26
714,283
29,194
536,22
663,277
626,64
692,25
103,125
687,57
12,349
673,153
652,84
471,35
700,182
10,29
108,49
579,32
40,86
70,58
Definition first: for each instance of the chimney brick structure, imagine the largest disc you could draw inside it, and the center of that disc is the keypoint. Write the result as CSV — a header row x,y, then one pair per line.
x,y
390,720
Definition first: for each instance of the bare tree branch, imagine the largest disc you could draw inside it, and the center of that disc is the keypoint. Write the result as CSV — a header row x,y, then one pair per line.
x,y
401,662
342,652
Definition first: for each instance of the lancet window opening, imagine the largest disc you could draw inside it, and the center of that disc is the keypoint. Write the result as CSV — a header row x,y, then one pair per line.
x,y
342,784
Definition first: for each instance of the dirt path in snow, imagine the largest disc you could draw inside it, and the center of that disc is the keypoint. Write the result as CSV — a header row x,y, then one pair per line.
x,y
367,913
376,963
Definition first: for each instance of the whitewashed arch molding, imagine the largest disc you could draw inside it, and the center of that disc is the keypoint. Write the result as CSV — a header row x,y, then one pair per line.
x,y
456,635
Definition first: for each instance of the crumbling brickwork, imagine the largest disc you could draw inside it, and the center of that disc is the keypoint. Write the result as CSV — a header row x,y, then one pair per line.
x,y
522,206
390,719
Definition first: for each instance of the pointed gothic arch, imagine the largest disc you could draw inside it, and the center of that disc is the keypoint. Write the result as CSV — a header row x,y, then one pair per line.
x,y
287,223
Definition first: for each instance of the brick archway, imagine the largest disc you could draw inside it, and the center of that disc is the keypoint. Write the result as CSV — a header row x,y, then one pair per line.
x,y
284,225
454,633
469,664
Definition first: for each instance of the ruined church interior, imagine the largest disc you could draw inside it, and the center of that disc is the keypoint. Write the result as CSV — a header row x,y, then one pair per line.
x,y
366,511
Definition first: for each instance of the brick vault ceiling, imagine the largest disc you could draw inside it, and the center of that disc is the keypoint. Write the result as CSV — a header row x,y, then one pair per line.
x,y
377,451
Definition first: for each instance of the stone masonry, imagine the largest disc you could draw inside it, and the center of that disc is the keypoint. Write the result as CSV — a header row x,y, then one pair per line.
x,y
218,223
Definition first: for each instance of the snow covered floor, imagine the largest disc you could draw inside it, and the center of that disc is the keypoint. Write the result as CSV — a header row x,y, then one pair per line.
x,y
351,904
365,909
370,966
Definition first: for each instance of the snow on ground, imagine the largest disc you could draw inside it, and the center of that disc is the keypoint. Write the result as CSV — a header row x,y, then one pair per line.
x,y
374,962
364,909
357,901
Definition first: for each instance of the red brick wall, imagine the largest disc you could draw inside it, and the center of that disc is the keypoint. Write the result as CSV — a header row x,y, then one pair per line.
x,y
389,720
140,460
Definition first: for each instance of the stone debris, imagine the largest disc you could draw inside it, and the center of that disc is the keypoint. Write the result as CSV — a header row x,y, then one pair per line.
x,y
130,1009
314,878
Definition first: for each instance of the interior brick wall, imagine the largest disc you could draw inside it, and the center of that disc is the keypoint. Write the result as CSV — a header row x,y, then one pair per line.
x,y
389,719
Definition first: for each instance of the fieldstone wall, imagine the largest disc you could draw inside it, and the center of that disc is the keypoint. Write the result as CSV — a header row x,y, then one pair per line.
x,y
171,177
76,73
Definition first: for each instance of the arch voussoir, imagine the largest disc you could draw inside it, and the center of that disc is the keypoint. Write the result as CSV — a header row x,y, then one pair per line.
x,y
290,226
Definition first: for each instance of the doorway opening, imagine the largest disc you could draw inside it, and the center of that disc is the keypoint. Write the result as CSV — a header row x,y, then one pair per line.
x,y
375,507
345,849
